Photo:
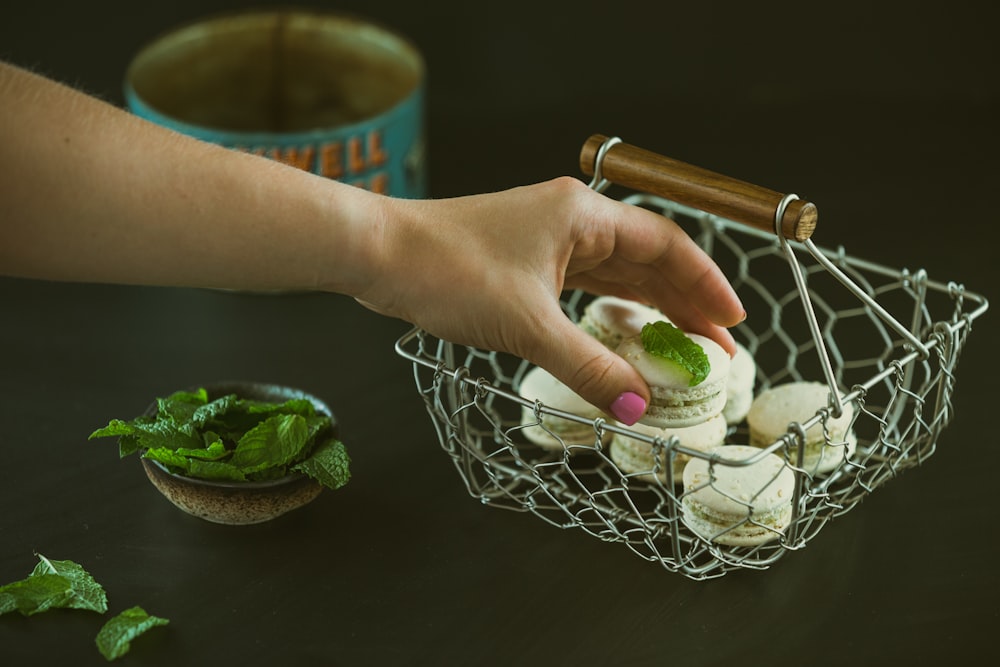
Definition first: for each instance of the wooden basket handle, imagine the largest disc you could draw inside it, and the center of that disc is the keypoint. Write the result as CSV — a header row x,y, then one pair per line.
x,y
643,170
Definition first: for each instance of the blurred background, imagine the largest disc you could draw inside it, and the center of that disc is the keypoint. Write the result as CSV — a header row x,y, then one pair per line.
x,y
768,92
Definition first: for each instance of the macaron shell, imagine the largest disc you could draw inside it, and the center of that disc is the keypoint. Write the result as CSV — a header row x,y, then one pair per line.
x,y
740,385
658,372
724,503
775,408
674,402
737,406
636,456
610,319
539,385
662,411
821,458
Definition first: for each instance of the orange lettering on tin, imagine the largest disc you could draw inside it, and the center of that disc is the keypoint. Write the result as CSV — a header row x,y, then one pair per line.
x,y
355,157
331,160
376,155
296,157
380,183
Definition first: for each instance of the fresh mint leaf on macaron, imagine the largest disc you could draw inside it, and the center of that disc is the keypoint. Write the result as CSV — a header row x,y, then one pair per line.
x,y
664,340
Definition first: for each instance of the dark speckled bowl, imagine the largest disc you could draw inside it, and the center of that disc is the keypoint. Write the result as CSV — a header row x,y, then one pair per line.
x,y
239,503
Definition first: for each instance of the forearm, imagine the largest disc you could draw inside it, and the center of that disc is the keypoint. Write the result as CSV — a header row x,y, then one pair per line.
x,y
92,193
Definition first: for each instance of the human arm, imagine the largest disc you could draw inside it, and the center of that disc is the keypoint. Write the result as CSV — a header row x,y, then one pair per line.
x,y
96,194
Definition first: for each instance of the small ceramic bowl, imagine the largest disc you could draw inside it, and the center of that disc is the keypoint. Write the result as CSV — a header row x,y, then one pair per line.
x,y
239,503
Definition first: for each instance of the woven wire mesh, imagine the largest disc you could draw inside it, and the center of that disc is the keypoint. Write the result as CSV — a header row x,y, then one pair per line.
x,y
901,400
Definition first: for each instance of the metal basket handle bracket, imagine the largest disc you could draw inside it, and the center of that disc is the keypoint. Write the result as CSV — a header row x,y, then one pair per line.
x,y
643,170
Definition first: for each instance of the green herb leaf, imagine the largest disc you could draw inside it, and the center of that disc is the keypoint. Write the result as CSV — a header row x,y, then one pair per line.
x,y
53,584
35,594
147,433
329,465
218,470
180,406
86,592
230,438
115,639
212,452
276,441
664,340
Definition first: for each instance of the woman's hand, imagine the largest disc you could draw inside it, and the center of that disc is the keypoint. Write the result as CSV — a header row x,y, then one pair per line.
x,y
488,270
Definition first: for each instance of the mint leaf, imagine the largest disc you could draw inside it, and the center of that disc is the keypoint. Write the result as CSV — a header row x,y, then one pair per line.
x,y
664,340
297,406
276,441
115,639
148,433
217,470
86,593
229,438
35,594
180,406
53,584
329,464
214,411
212,452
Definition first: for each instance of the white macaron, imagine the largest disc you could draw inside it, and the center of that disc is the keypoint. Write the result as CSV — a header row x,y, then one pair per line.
x,y
674,402
610,319
738,505
550,431
775,408
740,385
635,457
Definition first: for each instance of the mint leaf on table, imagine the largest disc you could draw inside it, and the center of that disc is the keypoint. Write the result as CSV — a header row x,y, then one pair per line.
x,y
664,340
86,593
115,639
35,594
329,465
53,584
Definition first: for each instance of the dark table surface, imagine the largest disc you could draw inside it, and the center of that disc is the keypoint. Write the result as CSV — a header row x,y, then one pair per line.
x,y
886,121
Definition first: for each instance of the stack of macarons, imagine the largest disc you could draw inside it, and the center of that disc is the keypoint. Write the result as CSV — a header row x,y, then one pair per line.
x,y
689,413
677,398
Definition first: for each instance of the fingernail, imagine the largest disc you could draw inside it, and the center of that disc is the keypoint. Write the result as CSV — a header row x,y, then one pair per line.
x,y
743,319
628,407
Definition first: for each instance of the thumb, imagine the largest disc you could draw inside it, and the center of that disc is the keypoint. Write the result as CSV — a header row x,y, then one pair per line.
x,y
595,373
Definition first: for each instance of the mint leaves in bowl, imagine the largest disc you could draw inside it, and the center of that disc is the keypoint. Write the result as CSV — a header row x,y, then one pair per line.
x,y
236,452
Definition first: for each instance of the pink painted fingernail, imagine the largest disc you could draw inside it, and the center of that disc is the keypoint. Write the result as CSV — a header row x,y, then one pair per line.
x,y
628,407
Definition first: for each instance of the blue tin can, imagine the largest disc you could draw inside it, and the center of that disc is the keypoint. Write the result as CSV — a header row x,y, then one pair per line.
x,y
335,95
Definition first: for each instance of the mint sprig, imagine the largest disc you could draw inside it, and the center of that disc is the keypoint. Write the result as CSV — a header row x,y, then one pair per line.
x,y
235,439
664,340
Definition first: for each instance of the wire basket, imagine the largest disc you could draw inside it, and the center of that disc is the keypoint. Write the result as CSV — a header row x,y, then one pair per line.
x,y
839,320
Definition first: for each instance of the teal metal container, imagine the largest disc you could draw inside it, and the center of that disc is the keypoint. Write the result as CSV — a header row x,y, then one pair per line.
x,y
335,95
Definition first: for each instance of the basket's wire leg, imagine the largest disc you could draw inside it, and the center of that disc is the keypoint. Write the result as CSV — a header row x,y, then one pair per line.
x,y
861,294
598,182
800,283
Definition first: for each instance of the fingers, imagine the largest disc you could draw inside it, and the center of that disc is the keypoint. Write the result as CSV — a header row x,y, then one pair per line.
x,y
688,271
656,262
598,375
